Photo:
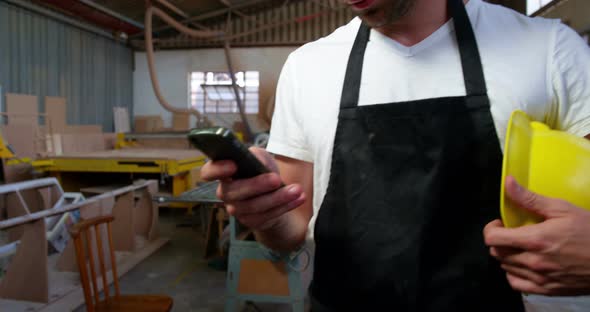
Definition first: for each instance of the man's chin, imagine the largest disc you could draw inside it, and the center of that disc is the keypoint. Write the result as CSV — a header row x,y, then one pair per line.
x,y
371,19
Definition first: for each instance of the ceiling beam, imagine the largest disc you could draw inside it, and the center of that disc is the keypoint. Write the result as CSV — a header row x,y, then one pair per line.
x,y
207,15
112,13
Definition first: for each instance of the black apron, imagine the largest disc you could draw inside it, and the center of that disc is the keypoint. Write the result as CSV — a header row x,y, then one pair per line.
x,y
412,186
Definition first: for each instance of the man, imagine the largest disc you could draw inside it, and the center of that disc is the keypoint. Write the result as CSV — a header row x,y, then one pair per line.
x,y
387,136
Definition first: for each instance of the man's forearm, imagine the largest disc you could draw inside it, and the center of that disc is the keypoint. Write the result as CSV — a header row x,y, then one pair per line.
x,y
288,234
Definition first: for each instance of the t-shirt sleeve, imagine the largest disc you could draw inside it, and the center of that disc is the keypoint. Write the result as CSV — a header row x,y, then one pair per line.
x,y
570,81
286,134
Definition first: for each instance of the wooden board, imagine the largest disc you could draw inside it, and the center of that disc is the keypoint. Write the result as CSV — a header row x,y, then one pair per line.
x,y
82,143
138,154
26,106
84,129
27,276
22,138
148,123
180,122
14,208
17,172
121,116
161,143
110,140
143,214
263,277
123,211
56,110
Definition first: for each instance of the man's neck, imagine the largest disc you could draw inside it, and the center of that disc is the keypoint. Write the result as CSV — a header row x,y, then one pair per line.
x,y
425,17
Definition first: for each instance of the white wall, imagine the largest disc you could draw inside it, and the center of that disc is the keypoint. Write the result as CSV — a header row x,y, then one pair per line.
x,y
173,68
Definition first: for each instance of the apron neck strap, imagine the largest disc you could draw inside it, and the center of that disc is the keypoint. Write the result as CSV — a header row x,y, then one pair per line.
x,y
470,59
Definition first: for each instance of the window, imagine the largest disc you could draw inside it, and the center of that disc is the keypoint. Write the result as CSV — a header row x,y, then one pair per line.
x,y
533,6
212,92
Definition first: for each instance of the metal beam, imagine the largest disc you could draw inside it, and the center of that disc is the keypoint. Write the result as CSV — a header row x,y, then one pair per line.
x,y
207,15
112,13
59,17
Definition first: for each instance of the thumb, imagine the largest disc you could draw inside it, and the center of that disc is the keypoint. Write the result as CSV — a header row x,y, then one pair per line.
x,y
533,202
265,158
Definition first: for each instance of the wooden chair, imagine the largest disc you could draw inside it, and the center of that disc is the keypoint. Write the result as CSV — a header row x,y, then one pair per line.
x,y
80,232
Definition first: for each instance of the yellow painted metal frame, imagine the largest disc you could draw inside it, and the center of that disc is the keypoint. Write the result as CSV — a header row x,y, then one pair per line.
x,y
178,170
127,165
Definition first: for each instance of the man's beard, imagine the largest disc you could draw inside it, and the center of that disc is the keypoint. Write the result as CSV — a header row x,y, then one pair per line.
x,y
383,16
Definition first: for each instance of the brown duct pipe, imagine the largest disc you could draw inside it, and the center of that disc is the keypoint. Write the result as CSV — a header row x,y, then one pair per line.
x,y
149,49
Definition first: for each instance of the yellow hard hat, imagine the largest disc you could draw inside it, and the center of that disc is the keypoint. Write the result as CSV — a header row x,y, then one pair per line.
x,y
549,162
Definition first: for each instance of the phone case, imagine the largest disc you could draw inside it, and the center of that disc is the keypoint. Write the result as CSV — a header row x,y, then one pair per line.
x,y
220,144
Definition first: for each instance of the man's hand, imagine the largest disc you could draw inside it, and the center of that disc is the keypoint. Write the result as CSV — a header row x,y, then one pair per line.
x,y
258,202
548,258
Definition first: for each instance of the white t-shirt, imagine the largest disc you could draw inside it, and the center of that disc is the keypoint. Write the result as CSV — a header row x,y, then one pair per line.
x,y
536,65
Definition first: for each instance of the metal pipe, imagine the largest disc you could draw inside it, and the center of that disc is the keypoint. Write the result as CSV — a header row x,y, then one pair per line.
x,y
205,16
226,48
63,209
173,8
59,17
149,49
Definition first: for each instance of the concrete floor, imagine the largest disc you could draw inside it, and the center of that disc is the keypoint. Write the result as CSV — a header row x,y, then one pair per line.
x,y
179,270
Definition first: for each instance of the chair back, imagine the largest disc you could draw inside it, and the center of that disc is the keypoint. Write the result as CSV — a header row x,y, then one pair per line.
x,y
83,242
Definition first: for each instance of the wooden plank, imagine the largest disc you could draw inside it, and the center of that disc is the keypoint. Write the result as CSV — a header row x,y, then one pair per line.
x,y
82,143
15,208
110,140
25,106
84,129
137,153
18,306
121,116
17,172
144,214
148,123
123,226
21,137
263,277
161,143
180,122
56,110
67,259
27,277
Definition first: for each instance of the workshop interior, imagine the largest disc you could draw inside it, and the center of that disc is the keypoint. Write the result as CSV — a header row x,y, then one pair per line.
x,y
103,206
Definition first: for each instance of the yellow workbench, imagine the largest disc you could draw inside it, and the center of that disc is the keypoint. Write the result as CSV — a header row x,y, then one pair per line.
x,y
179,166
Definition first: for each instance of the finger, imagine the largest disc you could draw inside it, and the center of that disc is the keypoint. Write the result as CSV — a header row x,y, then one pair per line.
x,y
239,190
533,202
491,226
527,274
526,237
218,170
525,286
503,252
260,204
531,261
265,158
269,218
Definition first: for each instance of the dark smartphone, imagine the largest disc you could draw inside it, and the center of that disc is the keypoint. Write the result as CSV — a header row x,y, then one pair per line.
x,y
221,144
